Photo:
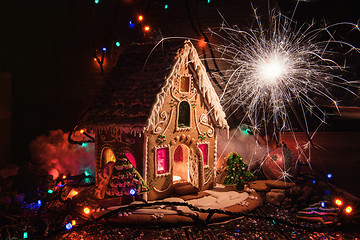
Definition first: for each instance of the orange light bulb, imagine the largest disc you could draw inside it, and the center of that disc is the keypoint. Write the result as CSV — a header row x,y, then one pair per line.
x,y
82,131
348,209
338,202
73,222
147,28
64,176
202,43
140,17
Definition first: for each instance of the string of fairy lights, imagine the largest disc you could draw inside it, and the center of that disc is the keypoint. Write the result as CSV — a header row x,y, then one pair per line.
x,y
140,21
81,216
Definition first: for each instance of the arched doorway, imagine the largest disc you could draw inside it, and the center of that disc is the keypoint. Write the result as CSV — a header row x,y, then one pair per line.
x,y
107,156
181,164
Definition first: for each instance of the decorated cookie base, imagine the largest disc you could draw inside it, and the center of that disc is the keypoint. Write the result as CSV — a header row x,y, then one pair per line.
x,y
217,199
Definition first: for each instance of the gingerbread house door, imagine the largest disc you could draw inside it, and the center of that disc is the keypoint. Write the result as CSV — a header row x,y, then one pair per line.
x,y
185,166
181,164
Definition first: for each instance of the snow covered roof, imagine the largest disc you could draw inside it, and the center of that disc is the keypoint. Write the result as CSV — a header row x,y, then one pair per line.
x,y
134,92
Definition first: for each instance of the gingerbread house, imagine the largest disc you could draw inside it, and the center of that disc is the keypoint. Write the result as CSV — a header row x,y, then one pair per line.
x,y
158,107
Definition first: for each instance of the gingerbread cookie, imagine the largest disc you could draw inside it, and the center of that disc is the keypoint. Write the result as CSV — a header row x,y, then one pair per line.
x,y
260,186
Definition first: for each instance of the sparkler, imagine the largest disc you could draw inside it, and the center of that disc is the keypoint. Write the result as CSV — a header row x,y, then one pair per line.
x,y
271,68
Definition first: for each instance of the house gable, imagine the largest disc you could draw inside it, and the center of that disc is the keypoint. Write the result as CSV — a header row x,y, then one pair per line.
x,y
188,56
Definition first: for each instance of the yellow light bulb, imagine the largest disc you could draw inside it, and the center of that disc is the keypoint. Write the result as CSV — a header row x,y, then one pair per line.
x,y
86,210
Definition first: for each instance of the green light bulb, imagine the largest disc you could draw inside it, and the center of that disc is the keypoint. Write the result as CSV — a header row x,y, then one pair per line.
x,y
117,44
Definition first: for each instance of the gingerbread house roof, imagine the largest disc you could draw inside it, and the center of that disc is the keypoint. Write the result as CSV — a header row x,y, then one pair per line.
x,y
134,92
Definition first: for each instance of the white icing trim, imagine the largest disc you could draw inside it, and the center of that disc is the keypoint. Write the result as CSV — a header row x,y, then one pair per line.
x,y
190,98
145,162
157,129
134,130
196,123
209,178
167,126
155,159
203,119
161,191
173,95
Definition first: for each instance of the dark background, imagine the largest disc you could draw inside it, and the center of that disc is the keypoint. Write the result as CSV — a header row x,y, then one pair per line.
x,y
48,47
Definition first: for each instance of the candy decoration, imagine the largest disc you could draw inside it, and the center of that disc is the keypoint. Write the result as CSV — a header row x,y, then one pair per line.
x,y
280,164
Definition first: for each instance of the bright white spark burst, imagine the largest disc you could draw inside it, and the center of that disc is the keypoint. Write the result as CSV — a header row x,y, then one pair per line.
x,y
272,68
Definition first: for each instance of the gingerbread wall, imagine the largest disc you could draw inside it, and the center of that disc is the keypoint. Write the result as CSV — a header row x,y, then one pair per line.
x,y
166,133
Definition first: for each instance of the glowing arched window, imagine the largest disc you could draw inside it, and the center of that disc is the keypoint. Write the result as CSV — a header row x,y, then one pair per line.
x,y
131,158
107,156
184,115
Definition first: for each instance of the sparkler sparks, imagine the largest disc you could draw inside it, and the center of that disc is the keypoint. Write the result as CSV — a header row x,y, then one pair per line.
x,y
273,68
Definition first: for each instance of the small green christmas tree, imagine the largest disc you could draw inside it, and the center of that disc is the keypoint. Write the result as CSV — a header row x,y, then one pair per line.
x,y
237,172
125,179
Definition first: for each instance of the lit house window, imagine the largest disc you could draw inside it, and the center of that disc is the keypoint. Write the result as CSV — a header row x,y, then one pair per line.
x,y
204,151
162,160
184,84
184,115
107,156
131,158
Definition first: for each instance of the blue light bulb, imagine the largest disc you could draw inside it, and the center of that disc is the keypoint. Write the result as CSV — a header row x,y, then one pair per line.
x,y
329,175
68,226
132,192
131,24
322,204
